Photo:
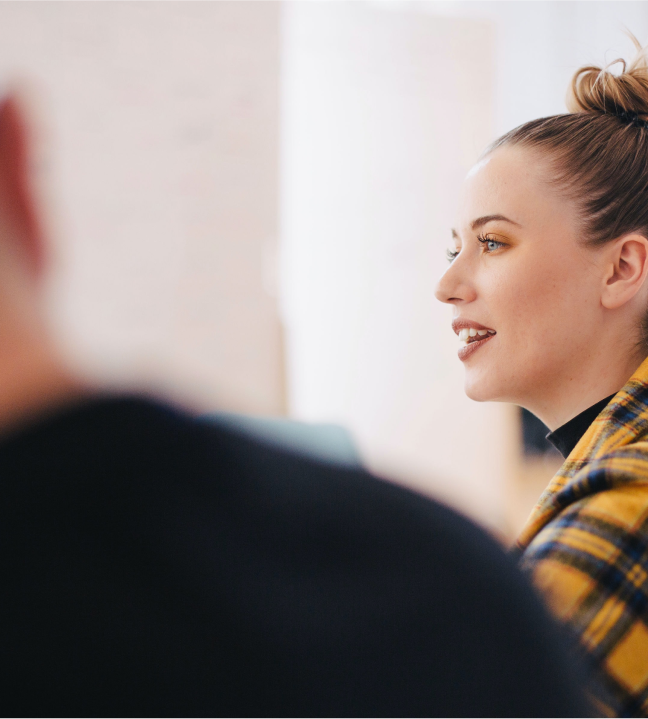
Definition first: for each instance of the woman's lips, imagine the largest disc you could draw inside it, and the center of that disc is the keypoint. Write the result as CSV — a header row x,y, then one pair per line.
x,y
466,351
472,336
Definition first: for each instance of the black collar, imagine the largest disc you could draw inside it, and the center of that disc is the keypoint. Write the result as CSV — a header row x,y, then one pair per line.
x,y
565,438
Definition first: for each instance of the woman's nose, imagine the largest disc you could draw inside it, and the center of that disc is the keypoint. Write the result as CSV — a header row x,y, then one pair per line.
x,y
453,287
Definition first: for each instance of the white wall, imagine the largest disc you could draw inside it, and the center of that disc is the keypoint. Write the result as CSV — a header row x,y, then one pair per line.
x,y
385,105
538,46
383,112
163,119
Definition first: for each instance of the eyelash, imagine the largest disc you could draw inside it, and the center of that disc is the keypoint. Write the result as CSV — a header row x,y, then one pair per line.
x,y
486,240
452,254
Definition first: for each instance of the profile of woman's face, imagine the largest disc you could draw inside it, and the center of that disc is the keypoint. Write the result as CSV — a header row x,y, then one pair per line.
x,y
521,281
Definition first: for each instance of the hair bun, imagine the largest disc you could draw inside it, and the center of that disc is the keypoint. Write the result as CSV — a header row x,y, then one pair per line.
x,y
597,91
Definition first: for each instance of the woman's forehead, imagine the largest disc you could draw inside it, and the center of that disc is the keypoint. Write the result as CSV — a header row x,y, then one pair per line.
x,y
505,169
511,182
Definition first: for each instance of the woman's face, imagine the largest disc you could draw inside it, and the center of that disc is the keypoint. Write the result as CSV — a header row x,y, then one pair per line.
x,y
522,277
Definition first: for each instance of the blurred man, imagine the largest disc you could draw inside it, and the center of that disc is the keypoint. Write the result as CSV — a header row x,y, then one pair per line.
x,y
152,564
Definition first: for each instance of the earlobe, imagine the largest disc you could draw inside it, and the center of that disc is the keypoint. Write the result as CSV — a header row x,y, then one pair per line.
x,y
17,204
628,268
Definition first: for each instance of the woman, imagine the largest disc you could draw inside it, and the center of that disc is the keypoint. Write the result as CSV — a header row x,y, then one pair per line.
x,y
548,283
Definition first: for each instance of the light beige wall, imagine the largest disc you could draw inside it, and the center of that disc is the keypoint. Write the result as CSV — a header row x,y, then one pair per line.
x,y
383,113
164,130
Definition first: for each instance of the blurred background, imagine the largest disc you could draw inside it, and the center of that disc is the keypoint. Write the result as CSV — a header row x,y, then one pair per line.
x,y
251,204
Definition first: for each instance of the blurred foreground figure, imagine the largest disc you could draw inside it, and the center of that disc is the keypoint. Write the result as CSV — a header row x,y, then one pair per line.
x,y
153,564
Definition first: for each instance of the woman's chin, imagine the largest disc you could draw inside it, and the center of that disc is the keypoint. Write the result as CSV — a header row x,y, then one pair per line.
x,y
482,389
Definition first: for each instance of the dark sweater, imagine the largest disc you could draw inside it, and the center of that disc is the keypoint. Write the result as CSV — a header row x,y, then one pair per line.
x,y
567,436
153,564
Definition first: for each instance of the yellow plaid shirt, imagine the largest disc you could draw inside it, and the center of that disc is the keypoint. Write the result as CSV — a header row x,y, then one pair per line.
x,y
586,548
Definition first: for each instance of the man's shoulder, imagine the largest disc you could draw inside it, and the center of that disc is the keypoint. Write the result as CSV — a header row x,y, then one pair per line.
x,y
297,587
153,452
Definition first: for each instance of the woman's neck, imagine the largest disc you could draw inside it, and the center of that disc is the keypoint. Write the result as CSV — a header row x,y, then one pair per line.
x,y
590,383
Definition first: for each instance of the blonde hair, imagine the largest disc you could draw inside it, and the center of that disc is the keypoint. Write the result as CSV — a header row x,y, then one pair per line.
x,y
598,153
596,90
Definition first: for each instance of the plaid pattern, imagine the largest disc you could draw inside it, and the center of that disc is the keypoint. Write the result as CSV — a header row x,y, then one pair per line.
x,y
586,548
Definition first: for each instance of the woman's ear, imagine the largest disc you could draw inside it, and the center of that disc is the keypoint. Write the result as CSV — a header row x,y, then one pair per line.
x,y
627,269
19,217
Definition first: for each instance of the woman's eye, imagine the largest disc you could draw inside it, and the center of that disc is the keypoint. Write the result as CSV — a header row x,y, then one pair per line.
x,y
489,244
451,254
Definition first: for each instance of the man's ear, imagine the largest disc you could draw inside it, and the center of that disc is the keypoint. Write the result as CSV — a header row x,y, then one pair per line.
x,y
19,221
627,269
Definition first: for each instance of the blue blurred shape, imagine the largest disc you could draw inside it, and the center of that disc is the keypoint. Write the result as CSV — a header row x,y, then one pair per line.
x,y
325,442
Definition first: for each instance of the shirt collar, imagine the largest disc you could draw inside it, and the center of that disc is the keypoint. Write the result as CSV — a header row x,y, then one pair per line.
x,y
566,437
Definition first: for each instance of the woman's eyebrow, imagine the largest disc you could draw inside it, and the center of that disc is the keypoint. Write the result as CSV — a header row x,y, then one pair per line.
x,y
480,221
